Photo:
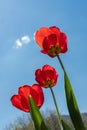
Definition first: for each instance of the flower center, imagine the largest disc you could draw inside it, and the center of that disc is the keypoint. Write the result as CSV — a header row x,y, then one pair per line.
x,y
54,50
49,83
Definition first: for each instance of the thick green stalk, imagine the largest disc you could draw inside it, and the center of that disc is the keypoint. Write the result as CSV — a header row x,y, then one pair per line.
x,y
71,101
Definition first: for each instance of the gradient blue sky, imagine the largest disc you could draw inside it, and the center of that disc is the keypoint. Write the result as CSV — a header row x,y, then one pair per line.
x,y
20,56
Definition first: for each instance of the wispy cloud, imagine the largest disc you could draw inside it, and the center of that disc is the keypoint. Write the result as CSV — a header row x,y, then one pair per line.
x,y
18,43
25,39
22,41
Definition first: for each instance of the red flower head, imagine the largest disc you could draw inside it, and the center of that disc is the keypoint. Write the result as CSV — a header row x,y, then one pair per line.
x,y
46,77
51,40
21,101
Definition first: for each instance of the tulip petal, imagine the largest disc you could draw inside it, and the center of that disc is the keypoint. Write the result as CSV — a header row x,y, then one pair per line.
x,y
46,77
24,90
39,93
49,42
56,31
18,101
38,77
63,43
41,34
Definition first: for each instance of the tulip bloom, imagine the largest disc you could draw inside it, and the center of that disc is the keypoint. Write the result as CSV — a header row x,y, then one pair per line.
x,y
51,40
21,101
46,77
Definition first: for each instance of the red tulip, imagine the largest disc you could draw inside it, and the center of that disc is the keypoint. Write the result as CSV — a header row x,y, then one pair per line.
x,y
21,101
51,40
46,77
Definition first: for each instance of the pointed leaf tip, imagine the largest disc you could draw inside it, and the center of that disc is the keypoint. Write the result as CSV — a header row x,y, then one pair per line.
x,y
72,105
36,116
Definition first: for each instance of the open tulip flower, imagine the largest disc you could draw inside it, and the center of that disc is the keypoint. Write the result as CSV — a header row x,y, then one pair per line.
x,y
21,101
51,40
47,76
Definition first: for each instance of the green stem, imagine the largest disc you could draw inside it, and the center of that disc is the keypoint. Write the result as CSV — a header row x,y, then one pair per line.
x,y
61,63
58,115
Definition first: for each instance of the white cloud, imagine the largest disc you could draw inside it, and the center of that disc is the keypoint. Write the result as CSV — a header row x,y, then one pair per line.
x,y
25,39
21,41
18,43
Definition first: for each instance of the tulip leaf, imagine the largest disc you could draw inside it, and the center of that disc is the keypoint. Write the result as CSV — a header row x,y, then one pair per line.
x,y
72,105
65,126
36,116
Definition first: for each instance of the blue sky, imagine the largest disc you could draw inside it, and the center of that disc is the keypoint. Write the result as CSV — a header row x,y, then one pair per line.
x,y
20,56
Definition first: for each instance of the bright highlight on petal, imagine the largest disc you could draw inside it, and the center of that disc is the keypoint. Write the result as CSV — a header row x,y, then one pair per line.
x,y
40,34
